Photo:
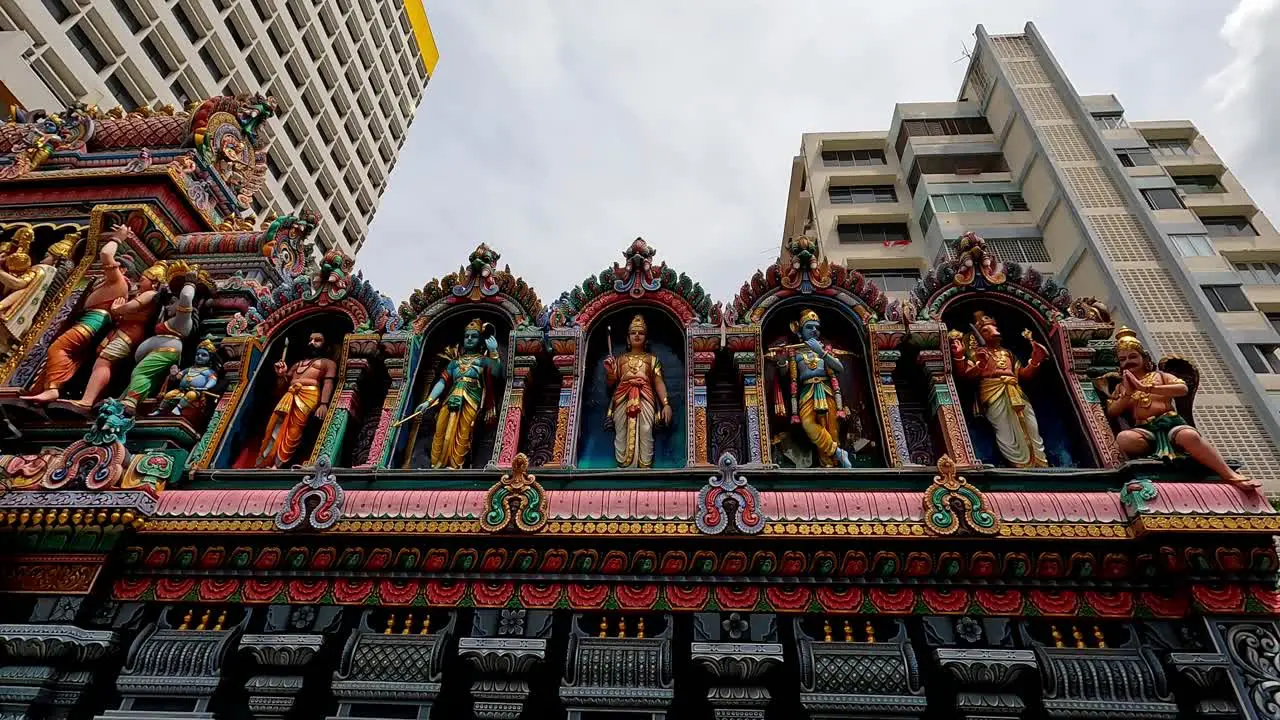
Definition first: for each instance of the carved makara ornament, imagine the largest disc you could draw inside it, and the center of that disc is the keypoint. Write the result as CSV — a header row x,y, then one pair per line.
x,y
517,499
953,506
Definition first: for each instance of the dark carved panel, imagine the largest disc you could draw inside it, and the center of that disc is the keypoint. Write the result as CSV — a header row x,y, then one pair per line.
x,y
726,417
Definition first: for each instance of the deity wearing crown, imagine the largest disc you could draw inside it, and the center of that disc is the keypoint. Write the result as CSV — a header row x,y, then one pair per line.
x,y
467,390
981,357
1157,401
810,371
175,295
23,286
639,401
189,387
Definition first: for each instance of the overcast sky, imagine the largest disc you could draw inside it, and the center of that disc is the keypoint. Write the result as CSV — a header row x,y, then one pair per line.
x,y
557,131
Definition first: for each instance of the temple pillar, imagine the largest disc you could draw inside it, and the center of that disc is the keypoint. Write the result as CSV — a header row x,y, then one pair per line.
x,y
701,360
945,406
527,344
391,668
504,649
1092,680
847,673
884,363
393,350
45,670
345,405
1085,394
735,653
618,671
564,355
755,404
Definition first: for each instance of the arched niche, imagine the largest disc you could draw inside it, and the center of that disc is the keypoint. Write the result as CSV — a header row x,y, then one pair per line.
x,y
446,331
862,434
1059,418
667,341
925,443
261,391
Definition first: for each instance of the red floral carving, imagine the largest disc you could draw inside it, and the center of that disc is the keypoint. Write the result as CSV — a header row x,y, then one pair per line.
x,y
212,558
839,599
351,592
687,597
674,562
267,559
540,596
130,588
1226,599
735,563
741,597
1108,604
256,590
1165,606
792,599
946,601
445,593
157,558
436,561
636,597
305,591
170,589
588,596
323,558
898,600
1000,602
378,559
217,589
398,592
494,559
492,594
1055,602
1269,598
793,563
918,564
614,563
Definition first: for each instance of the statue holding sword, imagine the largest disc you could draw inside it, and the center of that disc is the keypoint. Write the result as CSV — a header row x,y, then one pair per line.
x,y
465,390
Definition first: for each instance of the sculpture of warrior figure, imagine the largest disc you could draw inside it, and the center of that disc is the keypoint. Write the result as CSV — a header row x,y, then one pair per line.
x,y
638,392
163,350
68,352
189,385
305,389
1152,402
468,385
25,285
981,356
811,370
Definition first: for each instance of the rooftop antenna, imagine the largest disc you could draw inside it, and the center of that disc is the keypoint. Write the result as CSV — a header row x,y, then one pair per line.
x,y
965,53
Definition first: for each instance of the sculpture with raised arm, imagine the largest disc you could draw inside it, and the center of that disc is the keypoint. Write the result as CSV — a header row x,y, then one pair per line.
x,y
638,391
1158,402
163,350
306,387
468,386
981,356
810,370
189,386
71,349
25,285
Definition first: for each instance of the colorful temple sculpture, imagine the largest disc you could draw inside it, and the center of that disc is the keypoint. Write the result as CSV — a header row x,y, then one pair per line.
x,y
241,483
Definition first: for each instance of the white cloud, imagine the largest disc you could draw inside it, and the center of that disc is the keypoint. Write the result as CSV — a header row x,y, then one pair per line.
x,y
558,131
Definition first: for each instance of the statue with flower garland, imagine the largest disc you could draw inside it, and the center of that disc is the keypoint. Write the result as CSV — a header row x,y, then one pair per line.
x,y
810,371
1156,401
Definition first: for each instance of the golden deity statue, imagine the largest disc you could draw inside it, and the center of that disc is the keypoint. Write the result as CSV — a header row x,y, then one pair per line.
x,y
638,392
468,387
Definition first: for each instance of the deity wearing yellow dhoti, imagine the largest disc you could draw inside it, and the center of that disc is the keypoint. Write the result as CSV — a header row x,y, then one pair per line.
x,y
1000,398
811,369
468,387
638,391
24,286
307,389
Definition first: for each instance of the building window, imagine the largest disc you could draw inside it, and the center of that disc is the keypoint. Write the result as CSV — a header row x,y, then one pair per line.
x,y
898,280
1171,148
1136,157
1198,184
1162,199
273,167
291,194
153,52
236,35
184,22
1192,244
1262,358
126,13
1257,273
1019,250
950,126
1228,227
121,93
80,39
978,202
852,158
862,194
180,93
1227,298
210,63
258,73
1274,319
57,10
1109,121
293,134
887,233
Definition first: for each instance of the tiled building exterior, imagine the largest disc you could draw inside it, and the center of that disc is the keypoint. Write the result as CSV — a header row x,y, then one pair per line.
x,y
1143,215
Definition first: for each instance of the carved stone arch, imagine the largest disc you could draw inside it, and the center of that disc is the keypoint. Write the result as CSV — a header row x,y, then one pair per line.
x,y
1074,331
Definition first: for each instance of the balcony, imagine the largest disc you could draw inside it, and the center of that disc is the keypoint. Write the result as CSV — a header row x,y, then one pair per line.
x,y
1265,298
1210,204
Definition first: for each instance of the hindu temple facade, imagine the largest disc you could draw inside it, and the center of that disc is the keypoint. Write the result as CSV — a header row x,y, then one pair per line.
x,y
238,486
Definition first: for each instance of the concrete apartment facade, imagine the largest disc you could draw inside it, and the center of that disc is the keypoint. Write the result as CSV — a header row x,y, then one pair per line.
x,y
348,74
1145,216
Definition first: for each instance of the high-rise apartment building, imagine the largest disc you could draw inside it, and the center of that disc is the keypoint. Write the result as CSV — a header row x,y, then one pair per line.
x,y
348,75
1143,215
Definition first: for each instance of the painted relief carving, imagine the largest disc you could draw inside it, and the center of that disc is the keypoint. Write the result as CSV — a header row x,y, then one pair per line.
x,y
465,394
807,390
639,404
304,391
